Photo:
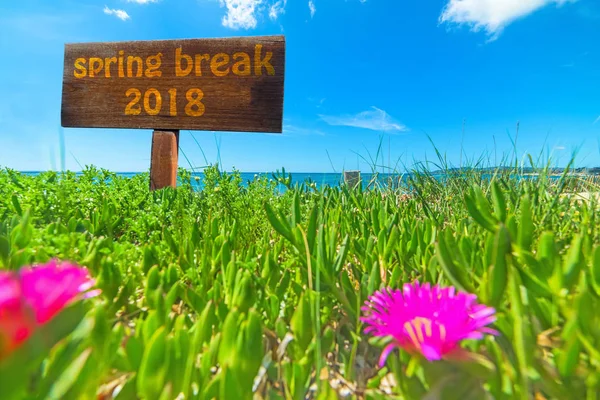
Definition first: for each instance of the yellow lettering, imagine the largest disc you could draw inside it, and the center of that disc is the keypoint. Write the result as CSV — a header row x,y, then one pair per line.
x,y
189,63
140,66
244,60
152,65
96,65
133,107
194,107
80,65
107,62
157,101
259,62
219,60
173,102
199,58
121,72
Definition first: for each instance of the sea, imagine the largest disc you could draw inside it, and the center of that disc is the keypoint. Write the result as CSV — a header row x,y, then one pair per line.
x,y
320,179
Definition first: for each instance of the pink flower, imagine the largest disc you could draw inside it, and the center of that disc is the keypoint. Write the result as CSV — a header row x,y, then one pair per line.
x,y
430,321
34,295
51,287
16,323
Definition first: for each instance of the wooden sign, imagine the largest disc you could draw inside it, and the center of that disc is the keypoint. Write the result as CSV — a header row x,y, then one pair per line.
x,y
233,84
198,84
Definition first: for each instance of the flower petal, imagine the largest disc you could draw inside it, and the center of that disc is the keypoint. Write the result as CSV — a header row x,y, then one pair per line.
x,y
385,353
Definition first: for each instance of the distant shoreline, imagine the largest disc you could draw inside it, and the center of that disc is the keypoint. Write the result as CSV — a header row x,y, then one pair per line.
x,y
527,172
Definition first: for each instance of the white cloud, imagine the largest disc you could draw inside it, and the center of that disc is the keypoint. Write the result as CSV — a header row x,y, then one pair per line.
x,y
313,9
244,14
122,15
597,120
374,119
142,1
240,13
277,9
491,15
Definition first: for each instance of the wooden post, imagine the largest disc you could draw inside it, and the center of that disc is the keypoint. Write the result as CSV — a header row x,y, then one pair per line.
x,y
163,163
352,178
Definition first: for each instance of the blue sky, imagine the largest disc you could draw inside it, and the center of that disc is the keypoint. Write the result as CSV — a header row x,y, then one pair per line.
x,y
358,73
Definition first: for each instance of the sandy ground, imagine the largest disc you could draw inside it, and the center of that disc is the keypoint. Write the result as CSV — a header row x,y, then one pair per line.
x,y
583,196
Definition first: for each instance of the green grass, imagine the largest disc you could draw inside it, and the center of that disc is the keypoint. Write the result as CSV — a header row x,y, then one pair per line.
x,y
234,292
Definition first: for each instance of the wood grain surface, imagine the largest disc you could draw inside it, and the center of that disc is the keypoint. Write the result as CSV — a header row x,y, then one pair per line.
x,y
232,84
163,163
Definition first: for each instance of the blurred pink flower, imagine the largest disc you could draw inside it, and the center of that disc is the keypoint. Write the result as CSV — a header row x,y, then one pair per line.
x,y
16,323
51,287
424,319
34,295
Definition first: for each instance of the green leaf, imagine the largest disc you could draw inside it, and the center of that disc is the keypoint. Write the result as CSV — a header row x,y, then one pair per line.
x,y
311,230
226,255
233,234
154,366
4,249
21,236
167,393
250,351
534,284
194,300
499,202
547,255
301,323
495,381
153,278
212,390
595,271
135,351
16,204
296,216
341,255
102,333
204,326
498,276
172,297
586,306
227,353
568,356
455,274
526,227
519,335
172,276
244,294
127,390
573,262
511,224
150,258
230,387
210,357
478,209
70,375
392,241
278,225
